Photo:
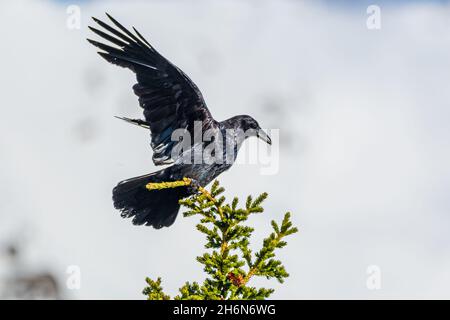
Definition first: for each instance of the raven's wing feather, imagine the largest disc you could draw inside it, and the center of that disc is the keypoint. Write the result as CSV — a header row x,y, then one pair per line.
x,y
169,98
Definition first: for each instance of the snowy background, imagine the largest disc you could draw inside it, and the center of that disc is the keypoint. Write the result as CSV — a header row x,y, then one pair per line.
x,y
364,142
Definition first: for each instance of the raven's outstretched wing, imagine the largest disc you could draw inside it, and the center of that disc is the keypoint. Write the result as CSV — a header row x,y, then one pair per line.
x,y
169,98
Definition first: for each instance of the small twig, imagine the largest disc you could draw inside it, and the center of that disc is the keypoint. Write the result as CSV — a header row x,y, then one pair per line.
x,y
253,270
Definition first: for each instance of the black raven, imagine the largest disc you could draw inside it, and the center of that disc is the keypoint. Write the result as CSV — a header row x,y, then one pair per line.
x,y
171,102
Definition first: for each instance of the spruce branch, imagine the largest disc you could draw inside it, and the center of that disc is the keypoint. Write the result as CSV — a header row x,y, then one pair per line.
x,y
229,262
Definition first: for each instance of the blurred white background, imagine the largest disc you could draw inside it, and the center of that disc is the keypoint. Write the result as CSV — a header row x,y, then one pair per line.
x,y
364,151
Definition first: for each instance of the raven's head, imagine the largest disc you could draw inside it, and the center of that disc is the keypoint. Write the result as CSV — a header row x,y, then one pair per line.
x,y
250,127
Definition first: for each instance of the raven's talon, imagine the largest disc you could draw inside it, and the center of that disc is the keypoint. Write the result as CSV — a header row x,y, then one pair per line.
x,y
194,186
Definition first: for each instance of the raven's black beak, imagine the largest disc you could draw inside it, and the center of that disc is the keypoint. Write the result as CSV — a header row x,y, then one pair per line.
x,y
264,136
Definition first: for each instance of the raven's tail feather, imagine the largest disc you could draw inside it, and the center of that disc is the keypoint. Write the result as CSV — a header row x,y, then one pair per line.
x,y
157,208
